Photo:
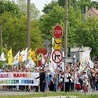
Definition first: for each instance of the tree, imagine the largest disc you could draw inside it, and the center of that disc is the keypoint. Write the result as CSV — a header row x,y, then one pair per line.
x,y
15,34
34,12
88,34
49,7
8,6
70,3
83,4
48,21
13,31
36,36
75,18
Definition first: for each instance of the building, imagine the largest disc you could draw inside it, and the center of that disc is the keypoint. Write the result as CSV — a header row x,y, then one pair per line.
x,y
91,13
78,51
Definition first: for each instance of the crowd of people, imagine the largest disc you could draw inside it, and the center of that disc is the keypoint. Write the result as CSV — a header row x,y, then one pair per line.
x,y
69,79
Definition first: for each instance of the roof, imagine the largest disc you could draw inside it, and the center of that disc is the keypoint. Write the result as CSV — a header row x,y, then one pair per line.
x,y
95,11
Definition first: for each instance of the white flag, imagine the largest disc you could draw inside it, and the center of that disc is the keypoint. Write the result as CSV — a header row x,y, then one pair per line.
x,y
2,58
85,58
30,64
24,54
52,64
16,58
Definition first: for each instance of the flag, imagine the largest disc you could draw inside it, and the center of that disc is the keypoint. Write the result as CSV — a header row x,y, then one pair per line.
x,y
20,57
85,57
52,64
43,60
10,57
24,54
33,55
30,55
2,58
86,61
30,64
16,58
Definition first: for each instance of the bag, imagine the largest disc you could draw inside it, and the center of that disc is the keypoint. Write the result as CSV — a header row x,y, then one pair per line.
x,y
78,86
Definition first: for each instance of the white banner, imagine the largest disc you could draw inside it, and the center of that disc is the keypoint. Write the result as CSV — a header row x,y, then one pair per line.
x,y
19,78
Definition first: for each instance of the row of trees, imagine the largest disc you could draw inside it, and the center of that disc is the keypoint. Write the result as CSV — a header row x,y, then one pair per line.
x,y
13,21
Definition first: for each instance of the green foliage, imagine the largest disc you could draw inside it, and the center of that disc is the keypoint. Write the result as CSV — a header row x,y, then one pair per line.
x,y
14,27
34,12
88,34
15,32
48,21
49,7
36,36
1,64
83,4
61,2
51,94
8,6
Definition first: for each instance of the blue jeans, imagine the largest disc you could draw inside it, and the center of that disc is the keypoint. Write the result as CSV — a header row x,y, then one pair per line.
x,y
92,83
96,85
55,87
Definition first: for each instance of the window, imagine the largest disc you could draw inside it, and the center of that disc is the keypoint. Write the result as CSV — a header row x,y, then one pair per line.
x,y
89,15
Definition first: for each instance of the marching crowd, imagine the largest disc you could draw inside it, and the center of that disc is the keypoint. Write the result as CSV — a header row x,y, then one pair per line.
x,y
70,79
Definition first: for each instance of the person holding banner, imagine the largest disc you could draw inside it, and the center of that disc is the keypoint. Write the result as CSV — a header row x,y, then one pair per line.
x,y
42,78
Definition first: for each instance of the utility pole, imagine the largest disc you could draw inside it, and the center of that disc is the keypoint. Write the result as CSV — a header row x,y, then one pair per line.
x,y
0,32
65,37
28,24
66,29
0,36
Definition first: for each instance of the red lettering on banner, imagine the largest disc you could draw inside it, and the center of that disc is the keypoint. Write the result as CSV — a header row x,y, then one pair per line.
x,y
19,75
3,75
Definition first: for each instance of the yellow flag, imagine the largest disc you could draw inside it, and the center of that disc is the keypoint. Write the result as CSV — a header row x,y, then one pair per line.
x,y
33,55
20,57
30,54
10,57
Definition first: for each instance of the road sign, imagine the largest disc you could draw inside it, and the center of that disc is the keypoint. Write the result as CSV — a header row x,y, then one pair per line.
x,y
42,51
57,56
39,57
47,43
58,31
57,44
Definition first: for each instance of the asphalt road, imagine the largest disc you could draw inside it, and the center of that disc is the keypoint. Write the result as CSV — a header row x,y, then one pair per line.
x,y
31,92
14,92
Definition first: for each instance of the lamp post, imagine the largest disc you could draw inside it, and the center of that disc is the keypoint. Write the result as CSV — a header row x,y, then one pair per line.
x,y
28,24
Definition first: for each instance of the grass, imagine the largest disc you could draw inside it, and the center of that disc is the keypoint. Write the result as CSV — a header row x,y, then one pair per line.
x,y
37,95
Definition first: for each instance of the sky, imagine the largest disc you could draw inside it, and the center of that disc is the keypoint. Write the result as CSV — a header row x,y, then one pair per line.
x,y
40,3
